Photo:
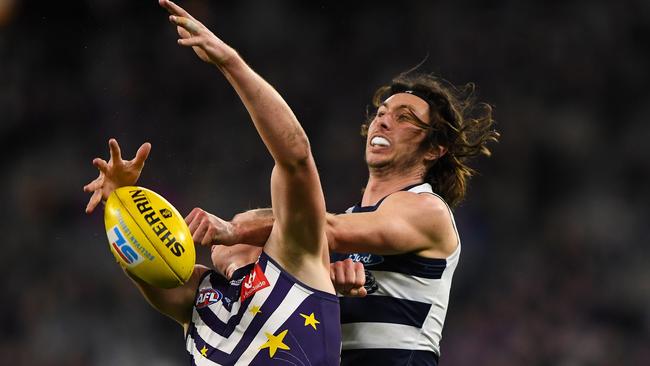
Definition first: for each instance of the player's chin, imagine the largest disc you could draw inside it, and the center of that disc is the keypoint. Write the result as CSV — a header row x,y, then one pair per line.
x,y
374,161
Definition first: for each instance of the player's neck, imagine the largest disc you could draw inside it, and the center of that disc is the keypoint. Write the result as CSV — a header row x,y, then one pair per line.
x,y
380,185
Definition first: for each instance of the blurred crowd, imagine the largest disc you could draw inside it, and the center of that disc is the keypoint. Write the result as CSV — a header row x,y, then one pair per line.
x,y
555,261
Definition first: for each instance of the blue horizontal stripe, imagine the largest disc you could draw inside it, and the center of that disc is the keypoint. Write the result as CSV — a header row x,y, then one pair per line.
x,y
383,309
388,357
412,265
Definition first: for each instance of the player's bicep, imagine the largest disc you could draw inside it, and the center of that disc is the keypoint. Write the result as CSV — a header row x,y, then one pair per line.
x,y
370,232
395,227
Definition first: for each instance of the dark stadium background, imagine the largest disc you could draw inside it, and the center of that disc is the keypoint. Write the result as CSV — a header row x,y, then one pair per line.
x,y
555,266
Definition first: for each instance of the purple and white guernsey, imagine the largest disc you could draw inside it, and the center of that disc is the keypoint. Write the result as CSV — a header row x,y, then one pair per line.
x,y
263,316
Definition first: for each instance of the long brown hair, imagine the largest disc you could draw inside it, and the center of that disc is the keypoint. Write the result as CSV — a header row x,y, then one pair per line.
x,y
458,123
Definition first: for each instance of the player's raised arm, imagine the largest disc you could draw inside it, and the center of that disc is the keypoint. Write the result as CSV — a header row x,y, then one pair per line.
x,y
298,201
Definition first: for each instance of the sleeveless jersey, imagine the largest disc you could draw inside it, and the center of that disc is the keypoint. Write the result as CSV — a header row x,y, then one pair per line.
x,y
262,316
400,321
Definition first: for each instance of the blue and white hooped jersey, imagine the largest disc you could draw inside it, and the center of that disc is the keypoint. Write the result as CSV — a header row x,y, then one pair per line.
x,y
401,321
263,316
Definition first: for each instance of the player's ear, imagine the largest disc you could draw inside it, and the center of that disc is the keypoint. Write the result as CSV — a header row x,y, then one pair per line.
x,y
435,152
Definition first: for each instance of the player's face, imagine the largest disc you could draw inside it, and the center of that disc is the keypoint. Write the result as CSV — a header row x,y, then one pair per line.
x,y
396,133
228,258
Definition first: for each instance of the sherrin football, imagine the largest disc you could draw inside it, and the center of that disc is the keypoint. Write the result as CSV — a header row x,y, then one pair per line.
x,y
148,237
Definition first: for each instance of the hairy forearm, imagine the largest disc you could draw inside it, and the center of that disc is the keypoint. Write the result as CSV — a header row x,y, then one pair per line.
x,y
272,117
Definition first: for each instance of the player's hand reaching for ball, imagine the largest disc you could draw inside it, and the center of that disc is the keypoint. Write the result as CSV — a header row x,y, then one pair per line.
x,y
208,229
115,173
194,34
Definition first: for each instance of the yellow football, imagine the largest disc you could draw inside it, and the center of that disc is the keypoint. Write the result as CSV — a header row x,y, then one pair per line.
x,y
148,237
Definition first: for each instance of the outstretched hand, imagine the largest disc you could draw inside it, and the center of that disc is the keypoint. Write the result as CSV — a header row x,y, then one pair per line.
x,y
194,34
115,173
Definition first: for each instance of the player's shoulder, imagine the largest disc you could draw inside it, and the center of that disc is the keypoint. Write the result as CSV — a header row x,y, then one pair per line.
x,y
424,203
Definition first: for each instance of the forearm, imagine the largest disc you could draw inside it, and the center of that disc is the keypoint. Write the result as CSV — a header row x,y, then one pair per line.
x,y
272,117
175,303
252,227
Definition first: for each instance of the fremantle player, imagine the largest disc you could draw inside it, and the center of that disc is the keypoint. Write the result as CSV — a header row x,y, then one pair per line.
x,y
276,307
403,231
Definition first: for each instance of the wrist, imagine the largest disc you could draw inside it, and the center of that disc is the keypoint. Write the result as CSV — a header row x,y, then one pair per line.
x,y
252,227
229,61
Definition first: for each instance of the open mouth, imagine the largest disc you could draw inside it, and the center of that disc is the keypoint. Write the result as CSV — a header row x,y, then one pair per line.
x,y
379,141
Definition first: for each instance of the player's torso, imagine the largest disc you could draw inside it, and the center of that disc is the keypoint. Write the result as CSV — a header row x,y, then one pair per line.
x,y
263,316
400,321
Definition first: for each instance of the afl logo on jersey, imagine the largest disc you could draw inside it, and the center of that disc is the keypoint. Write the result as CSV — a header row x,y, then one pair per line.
x,y
366,258
207,297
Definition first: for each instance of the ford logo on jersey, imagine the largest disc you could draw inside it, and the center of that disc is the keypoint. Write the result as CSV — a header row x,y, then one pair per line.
x,y
122,247
366,258
207,297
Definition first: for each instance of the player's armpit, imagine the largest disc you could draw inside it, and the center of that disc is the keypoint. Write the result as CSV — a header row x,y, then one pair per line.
x,y
177,302
404,222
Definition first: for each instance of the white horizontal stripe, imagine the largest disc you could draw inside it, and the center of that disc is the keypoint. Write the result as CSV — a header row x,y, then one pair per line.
x,y
226,345
408,287
199,359
384,335
294,298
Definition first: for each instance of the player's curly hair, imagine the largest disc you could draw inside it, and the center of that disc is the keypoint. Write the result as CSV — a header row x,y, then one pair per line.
x,y
461,125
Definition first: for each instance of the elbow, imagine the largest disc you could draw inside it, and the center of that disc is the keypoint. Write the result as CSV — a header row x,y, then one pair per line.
x,y
298,157
300,152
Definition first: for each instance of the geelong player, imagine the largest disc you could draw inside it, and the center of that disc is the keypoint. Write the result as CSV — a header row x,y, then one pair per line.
x,y
417,147
276,307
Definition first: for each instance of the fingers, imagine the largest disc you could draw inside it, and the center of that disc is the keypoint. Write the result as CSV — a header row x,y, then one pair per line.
x,y
191,42
359,274
100,164
341,282
189,218
348,278
116,153
190,25
199,235
358,292
94,201
182,32
189,30
199,225
141,155
174,9
95,184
